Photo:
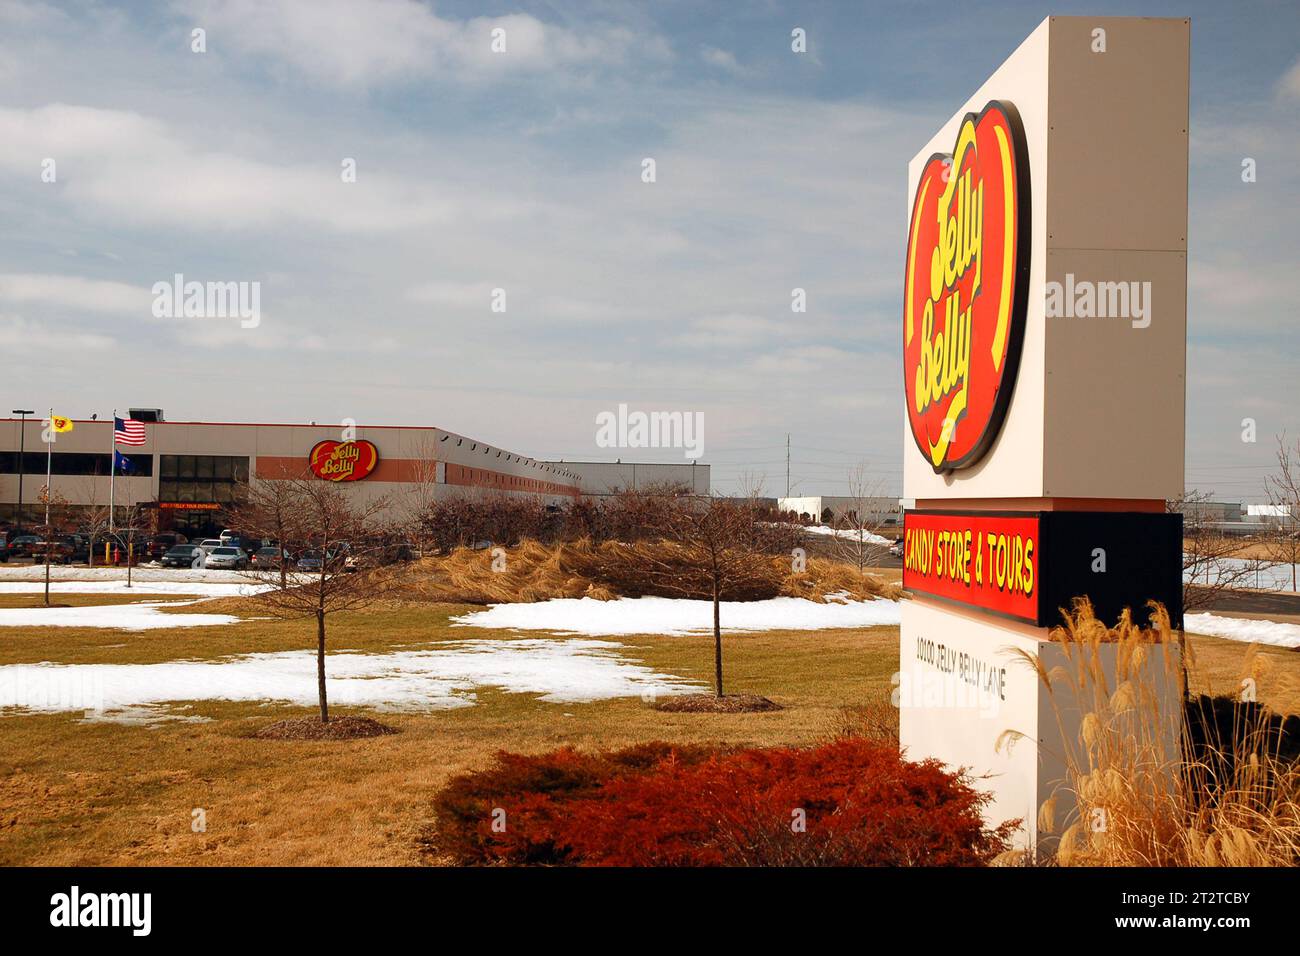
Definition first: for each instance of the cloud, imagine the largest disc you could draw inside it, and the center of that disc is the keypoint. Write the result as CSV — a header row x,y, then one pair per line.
x,y
23,336
137,169
732,330
522,171
721,59
367,43
23,13
1288,87
75,292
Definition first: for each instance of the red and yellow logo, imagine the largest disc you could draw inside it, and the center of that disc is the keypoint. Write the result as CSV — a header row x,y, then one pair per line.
x,y
343,460
966,288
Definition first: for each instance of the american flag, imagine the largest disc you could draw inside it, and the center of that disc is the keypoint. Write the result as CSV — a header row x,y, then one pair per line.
x,y
128,432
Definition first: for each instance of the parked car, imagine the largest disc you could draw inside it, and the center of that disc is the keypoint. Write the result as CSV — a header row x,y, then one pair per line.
x,y
896,549
80,545
226,557
310,560
160,544
4,546
210,544
60,552
183,556
269,558
18,547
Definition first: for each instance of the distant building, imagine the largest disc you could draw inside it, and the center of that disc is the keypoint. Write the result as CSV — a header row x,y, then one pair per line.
x,y
1205,512
829,509
186,475
596,478
1271,517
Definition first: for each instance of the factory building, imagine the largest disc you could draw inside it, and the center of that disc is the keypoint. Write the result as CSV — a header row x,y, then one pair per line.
x,y
185,474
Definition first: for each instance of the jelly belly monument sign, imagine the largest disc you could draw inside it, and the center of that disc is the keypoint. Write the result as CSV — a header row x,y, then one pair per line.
x,y
964,299
1041,443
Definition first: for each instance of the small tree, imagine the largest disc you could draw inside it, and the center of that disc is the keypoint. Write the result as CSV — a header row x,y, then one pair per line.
x,y
328,520
858,540
56,517
128,529
418,503
94,518
720,539
1283,491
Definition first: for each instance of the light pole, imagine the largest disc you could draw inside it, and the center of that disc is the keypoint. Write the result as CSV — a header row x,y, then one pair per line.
x,y
22,414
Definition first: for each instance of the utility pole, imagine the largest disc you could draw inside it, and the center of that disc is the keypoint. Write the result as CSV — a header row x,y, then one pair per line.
x,y
22,414
787,464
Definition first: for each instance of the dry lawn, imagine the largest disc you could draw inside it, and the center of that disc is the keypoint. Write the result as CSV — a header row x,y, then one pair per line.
x,y
98,794
59,599
75,793
538,572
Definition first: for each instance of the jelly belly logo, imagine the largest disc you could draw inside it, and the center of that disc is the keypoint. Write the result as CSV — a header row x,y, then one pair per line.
x,y
343,460
966,288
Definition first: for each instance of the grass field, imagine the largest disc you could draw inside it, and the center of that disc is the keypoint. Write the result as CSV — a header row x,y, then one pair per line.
x,y
58,599
74,792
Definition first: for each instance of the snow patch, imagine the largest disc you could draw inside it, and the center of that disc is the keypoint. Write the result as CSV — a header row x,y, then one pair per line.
x,y
144,616
850,534
1244,629
66,572
205,588
444,677
679,616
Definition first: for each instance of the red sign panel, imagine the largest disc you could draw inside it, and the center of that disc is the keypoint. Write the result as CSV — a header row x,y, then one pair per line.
x,y
343,460
990,561
965,289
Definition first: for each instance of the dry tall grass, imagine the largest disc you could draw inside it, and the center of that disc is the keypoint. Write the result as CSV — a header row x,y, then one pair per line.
x,y
1156,782
611,569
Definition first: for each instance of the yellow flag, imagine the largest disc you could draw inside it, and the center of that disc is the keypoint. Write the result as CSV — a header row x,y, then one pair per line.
x,y
61,424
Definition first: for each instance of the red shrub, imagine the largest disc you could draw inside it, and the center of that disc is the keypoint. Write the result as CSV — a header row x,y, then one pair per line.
x,y
848,803
529,788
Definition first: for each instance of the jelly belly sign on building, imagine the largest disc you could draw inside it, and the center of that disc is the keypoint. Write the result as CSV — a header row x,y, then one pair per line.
x,y
1030,565
343,460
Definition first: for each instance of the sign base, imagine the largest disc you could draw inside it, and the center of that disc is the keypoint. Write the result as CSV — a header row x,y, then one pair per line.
x,y
970,696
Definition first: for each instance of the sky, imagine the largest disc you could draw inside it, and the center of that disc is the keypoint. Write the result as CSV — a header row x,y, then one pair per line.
x,y
522,171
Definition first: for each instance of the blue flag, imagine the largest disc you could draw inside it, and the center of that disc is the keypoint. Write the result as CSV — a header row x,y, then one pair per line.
x,y
121,462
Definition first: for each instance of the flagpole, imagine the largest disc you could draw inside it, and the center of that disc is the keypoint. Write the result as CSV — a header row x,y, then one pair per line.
x,y
112,470
49,491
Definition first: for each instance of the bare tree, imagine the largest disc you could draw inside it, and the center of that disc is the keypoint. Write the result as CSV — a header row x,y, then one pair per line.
x,y
857,534
720,539
128,529
328,521
56,517
1208,570
94,518
1282,488
421,496
269,508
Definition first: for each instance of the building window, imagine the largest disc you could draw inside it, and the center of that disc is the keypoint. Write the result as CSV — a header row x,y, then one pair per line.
x,y
76,463
201,478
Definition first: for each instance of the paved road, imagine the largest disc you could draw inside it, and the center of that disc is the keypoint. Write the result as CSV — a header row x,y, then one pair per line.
x,y
1275,605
